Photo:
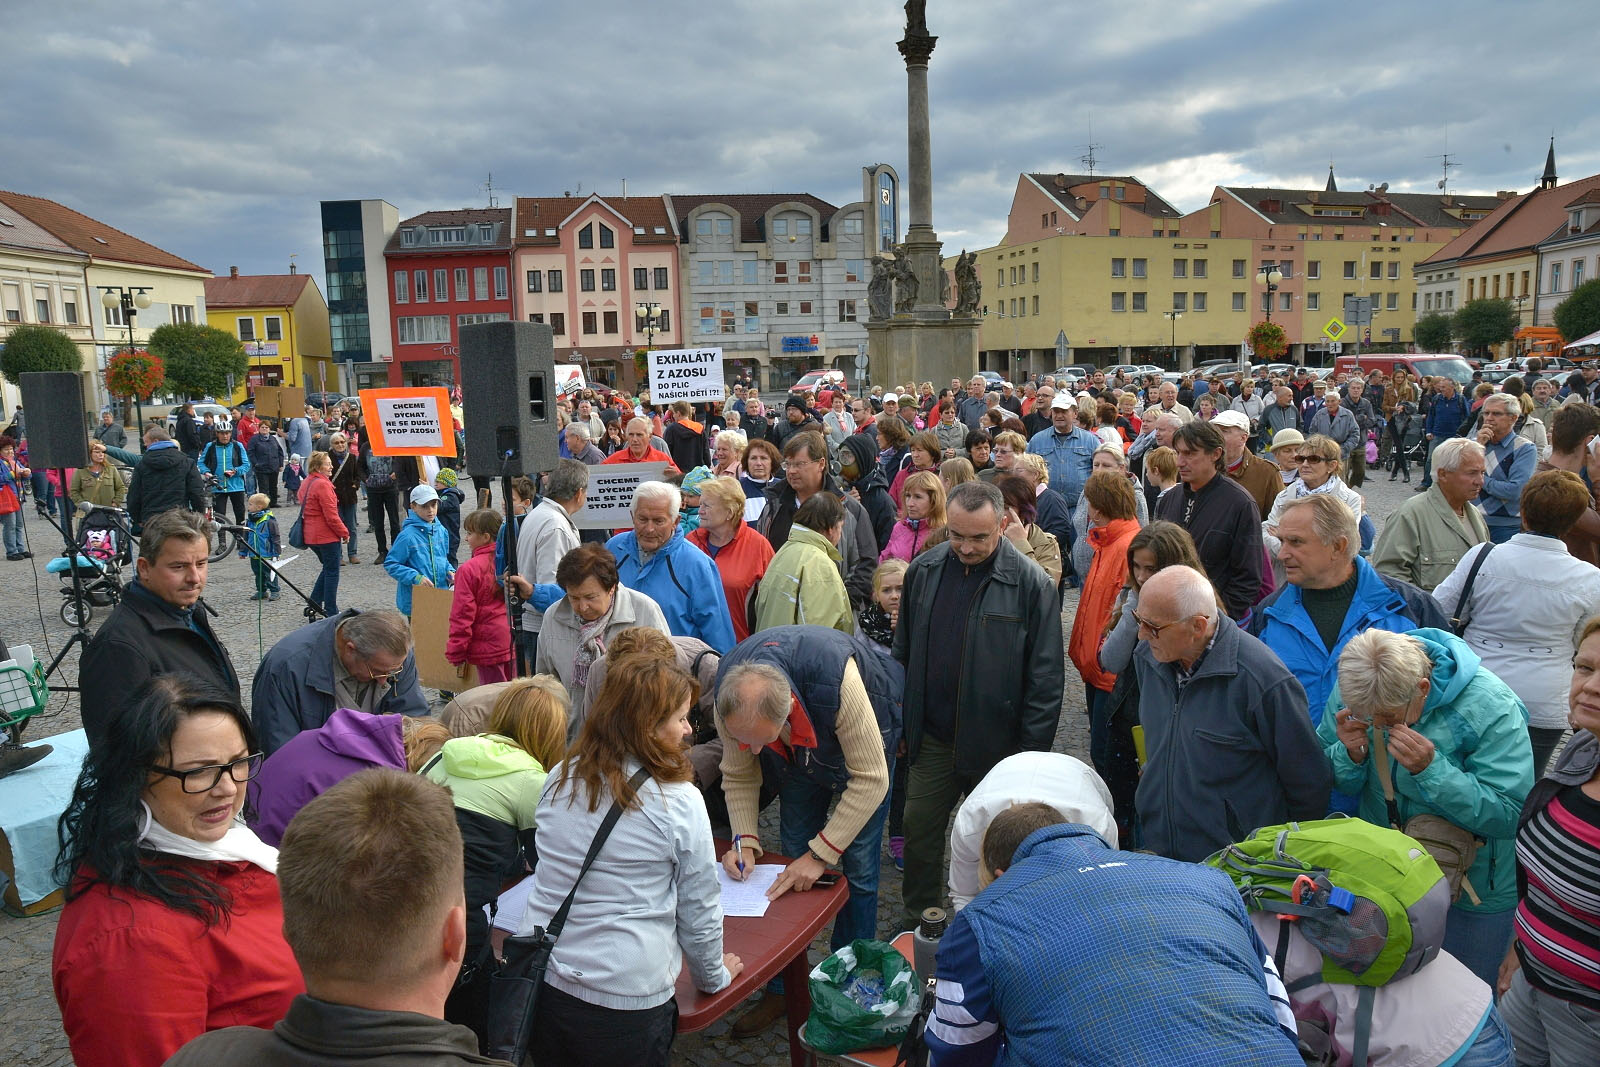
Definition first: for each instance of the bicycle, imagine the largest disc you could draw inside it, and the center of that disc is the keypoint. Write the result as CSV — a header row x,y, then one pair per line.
x,y
221,540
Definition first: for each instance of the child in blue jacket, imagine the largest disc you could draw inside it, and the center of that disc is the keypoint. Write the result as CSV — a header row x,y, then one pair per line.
x,y
263,538
420,554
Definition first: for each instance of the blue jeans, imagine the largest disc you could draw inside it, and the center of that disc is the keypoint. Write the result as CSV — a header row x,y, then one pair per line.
x,y
326,591
347,515
43,492
1500,533
802,814
11,525
1479,939
1492,1046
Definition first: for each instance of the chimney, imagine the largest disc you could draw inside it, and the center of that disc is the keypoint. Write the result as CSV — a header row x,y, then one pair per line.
x,y
233,272
291,267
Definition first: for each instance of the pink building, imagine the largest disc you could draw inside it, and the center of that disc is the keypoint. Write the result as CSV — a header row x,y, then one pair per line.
x,y
583,264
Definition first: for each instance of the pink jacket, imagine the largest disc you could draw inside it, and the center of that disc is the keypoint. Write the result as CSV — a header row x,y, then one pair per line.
x,y
905,542
480,629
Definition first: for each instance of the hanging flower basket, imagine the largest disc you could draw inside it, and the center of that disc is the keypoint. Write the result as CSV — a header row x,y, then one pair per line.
x,y
1268,339
135,373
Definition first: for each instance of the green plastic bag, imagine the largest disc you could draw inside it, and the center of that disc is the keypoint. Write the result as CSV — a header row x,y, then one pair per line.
x,y
862,996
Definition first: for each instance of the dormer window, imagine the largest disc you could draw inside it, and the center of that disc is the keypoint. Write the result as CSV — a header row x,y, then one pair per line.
x,y
486,233
408,237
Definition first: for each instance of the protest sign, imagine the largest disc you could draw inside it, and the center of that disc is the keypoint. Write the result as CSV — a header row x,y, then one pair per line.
x,y
430,632
273,401
611,487
408,422
692,374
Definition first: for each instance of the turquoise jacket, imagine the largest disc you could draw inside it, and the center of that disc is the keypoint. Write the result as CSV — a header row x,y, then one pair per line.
x,y
420,550
1481,771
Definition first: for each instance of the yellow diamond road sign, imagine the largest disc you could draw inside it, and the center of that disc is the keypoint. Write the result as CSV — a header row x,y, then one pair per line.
x,y
1334,330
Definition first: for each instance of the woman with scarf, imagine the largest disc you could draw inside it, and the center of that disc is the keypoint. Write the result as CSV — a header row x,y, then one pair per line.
x,y
173,925
577,628
1319,473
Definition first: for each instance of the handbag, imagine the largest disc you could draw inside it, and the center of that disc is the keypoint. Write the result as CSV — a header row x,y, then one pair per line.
x,y
515,980
1463,616
297,533
1452,847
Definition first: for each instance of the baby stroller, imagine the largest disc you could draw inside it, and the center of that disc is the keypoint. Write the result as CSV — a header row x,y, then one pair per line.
x,y
103,547
1405,429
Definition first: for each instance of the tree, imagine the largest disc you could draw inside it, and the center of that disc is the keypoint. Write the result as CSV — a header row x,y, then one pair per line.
x,y
199,360
1482,323
1433,332
1579,314
38,348
1268,340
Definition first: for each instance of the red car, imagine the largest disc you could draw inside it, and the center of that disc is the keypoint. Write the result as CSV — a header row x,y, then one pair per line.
x,y
813,380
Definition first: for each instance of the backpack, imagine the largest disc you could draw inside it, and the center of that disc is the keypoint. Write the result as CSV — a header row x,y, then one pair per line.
x,y
380,472
1370,898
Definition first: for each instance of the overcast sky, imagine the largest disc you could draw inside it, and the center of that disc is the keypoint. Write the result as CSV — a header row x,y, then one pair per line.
x,y
214,129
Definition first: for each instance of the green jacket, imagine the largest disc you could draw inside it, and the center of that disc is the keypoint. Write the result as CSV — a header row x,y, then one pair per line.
x,y
1480,774
491,775
802,585
1423,540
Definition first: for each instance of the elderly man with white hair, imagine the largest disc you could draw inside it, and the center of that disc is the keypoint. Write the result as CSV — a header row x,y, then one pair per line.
x,y
1509,461
1167,402
1426,536
580,443
640,448
655,559
1230,744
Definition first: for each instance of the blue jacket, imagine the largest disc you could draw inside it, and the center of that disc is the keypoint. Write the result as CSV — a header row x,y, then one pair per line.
x,y
1481,771
236,459
420,550
263,535
1069,457
1379,603
684,582
1446,416
1051,965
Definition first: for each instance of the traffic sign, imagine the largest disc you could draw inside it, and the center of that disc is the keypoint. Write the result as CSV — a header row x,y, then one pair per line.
x,y
1358,310
1061,345
1334,348
1334,330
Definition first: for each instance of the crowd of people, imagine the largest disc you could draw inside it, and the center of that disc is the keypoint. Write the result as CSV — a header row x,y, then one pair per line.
x,y
854,607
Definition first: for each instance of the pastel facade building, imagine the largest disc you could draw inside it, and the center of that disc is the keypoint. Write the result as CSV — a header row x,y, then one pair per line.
x,y
584,264
282,322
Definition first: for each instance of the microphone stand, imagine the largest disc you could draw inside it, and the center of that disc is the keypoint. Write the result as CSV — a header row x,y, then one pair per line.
x,y
313,609
80,634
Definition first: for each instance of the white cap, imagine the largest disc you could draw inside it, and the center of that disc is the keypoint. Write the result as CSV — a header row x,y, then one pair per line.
x,y
424,494
1062,402
891,396
1237,419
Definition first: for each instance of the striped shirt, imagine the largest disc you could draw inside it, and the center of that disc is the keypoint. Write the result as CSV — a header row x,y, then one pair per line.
x,y
1558,921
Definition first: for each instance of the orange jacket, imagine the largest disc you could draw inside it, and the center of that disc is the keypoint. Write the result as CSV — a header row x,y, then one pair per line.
x,y
1098,598
741,562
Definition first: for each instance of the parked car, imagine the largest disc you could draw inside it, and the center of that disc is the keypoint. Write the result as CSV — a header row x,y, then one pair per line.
x,y
1225,370
1207,364
323,400
812,380
992,380
1520,363
217,411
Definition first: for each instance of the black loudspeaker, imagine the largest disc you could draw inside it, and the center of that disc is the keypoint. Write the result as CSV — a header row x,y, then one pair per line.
x,y
507,398
58,435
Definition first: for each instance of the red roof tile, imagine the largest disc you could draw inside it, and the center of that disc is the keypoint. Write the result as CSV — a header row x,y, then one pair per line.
x,y
1517,225
255,290
91,235
540,213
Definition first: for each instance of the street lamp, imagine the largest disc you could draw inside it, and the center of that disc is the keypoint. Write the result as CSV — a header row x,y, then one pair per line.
x,y
1173,317
648,317
1269,277
131,299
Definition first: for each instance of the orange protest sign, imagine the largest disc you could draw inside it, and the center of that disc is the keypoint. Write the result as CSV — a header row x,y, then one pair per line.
x,y
409,422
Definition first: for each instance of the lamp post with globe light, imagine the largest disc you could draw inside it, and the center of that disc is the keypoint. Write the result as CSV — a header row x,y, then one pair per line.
x,y
1270,277
130,299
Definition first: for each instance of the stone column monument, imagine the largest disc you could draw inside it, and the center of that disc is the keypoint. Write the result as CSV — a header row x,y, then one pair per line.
x,y
922,340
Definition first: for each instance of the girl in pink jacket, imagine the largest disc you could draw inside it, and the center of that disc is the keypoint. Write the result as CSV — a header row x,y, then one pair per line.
x,y
480,629
924,504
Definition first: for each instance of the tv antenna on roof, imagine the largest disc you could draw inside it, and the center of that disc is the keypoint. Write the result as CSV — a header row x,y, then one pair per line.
x,y
488,187
1446,162
1088,158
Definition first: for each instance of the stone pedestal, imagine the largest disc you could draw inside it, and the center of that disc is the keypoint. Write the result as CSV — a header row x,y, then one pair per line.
x,y
910,349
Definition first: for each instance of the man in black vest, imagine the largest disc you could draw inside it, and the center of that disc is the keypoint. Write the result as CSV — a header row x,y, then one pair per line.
x,y
815,713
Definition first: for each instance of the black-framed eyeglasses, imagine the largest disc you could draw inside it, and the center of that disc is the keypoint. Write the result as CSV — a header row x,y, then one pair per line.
x,y
1312,459
205,779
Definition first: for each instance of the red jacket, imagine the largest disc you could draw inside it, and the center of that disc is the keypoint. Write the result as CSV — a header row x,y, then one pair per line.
x,y
651,455
319,515
136,979
1098,597
741,563
480,629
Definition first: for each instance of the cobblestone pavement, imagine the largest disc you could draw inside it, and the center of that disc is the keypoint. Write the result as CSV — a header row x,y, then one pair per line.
x,y
31,1036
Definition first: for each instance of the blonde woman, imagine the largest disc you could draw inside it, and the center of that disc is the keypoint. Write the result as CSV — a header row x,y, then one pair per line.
x,y
727,456
952,472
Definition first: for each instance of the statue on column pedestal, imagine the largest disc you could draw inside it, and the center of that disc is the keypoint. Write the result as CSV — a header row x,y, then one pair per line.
x,y
969,290
905,282
880,289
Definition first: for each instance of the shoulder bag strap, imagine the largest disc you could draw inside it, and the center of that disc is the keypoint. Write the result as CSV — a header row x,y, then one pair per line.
x,y
1380,753
559,919
1463,615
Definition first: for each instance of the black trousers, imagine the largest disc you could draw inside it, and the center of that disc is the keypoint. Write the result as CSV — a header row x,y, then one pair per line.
x,y
568,1032
220,501
267,482
381,502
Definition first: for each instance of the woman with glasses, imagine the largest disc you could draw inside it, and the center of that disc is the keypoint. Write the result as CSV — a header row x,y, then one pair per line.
x,y
99,483
1318,459
173,925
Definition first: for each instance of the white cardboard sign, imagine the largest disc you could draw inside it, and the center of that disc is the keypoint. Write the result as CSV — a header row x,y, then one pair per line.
x,y
611,487
692,374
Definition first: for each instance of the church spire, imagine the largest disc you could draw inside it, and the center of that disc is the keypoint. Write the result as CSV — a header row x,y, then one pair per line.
x,y
1549,179
1332,186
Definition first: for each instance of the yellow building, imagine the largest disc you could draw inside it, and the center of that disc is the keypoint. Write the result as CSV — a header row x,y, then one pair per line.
x,y
282,321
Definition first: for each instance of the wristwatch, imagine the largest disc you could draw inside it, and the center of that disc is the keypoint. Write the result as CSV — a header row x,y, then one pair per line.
x,y
813,854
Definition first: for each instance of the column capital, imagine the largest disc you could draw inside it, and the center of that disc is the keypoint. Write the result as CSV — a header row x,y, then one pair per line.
x,y
917,48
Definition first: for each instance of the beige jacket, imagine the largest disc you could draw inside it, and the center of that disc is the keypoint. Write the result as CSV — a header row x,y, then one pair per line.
x,y
1423,541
